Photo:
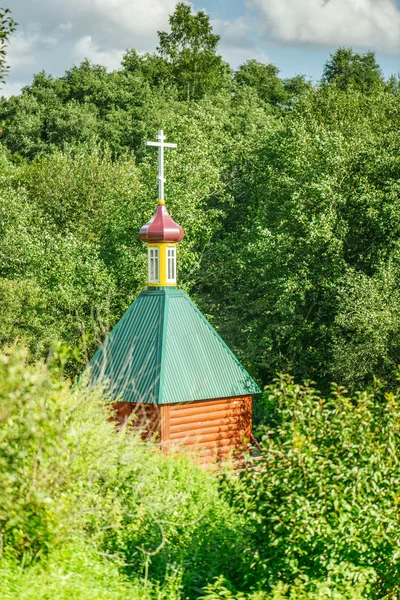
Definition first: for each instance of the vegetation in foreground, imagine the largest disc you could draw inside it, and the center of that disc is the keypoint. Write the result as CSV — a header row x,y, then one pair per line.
x,y
88,512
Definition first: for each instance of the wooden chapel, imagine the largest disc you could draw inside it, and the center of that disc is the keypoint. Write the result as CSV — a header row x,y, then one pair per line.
x,y
166,366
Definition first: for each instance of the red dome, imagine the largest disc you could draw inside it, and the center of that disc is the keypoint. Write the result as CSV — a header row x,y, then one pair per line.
x,y
161,228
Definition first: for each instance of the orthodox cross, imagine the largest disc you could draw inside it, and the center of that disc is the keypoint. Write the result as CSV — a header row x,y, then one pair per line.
x,y
161,144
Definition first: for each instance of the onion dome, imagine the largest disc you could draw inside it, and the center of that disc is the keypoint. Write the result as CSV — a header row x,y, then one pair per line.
x,y
161,228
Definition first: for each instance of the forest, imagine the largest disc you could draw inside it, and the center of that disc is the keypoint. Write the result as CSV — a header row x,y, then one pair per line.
x,y
288,193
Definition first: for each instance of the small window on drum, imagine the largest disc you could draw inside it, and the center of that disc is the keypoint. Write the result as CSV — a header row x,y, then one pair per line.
x,y
171,265
154,265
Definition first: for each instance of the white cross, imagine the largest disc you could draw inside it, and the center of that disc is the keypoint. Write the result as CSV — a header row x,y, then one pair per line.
x,y
161,145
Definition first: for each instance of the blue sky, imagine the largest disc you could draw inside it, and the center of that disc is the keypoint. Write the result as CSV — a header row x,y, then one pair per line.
x,y
296,35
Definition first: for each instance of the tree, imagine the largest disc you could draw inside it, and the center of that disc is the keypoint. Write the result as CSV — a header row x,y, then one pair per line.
x,y
347,69
190,50
269,87
312,202
296,87
7,26
151,67
263,78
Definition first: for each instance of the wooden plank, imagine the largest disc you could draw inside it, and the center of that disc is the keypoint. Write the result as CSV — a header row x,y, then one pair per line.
x,y
221,415
203,427
146,418
210,444
205,403
199,438
209,430
212,407
249,406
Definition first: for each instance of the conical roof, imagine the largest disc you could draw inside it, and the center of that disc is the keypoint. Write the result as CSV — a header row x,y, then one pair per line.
x,y
164,351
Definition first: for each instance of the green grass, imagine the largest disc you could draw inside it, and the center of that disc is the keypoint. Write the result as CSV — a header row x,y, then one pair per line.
x,y
77,572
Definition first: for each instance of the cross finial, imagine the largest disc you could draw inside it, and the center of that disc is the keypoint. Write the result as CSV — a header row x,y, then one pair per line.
x,y
161,144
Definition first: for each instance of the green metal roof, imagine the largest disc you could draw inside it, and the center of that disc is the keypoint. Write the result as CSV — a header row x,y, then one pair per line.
x,y
163,351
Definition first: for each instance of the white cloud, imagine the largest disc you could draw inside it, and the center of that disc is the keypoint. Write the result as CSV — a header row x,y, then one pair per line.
x,y
136,17
20,49
87,48
53,35
373,24
11,88
114,22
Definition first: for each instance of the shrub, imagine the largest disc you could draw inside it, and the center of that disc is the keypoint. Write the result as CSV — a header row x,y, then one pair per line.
x,y
67,476
324,498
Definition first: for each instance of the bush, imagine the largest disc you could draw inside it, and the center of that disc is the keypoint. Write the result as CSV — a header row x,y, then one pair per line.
x,y
67,476
323,500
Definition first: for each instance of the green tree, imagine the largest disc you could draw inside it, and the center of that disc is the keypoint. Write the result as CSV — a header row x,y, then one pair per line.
x,y
153,68
350,70
263,78
366,335
269,87
296,87
190,51
311,203
7,27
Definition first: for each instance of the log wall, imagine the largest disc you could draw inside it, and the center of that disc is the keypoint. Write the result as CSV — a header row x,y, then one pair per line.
x,y
213,429
145,417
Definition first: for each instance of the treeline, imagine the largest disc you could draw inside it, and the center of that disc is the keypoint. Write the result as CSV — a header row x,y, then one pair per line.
x,y
288,192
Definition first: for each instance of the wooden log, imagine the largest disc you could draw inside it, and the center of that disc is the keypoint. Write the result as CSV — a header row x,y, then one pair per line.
x,y
206,403
212,407
211,416
201,437
203,427
209,444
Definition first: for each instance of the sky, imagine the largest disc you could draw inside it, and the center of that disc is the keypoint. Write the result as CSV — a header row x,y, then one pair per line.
x,y
296,35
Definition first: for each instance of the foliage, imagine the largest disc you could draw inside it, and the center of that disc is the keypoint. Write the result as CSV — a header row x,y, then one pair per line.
x,y
321,591
366,340
315,213
349,70
7,27
71,261
287,195
270,88
78,572
323,497
190,52
85,508
68,478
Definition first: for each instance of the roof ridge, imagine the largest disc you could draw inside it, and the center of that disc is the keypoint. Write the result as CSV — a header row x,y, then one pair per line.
x,y
163,326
